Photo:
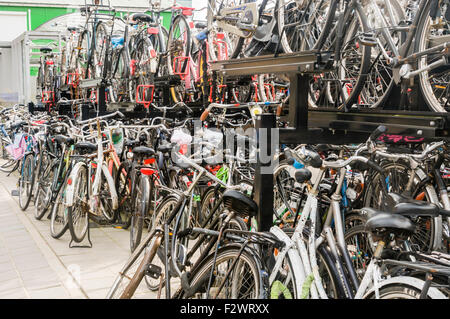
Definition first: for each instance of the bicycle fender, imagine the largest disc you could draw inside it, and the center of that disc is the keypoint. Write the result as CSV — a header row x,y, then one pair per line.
x,y
433,292
112,187
70,187
297,265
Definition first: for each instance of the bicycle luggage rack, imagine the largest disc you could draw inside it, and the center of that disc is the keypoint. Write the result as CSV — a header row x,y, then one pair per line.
x,y
317,126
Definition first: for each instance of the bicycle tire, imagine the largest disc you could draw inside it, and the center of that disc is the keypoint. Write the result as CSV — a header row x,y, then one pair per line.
x,y
25,182
123,186
57,232
78,209
44,189
141,203
200,276
429,91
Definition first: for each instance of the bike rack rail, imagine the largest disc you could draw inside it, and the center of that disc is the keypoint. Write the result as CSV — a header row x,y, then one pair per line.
x,y
316,126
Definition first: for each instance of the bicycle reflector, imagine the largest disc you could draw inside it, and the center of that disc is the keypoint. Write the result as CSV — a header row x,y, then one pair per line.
x,y
152,30
149,161
147,171
144,94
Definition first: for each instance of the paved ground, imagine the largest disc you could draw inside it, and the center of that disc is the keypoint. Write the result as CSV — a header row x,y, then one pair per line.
x,y
35,265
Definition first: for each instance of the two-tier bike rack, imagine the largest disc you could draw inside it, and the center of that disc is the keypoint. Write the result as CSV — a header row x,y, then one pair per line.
x,y
318,126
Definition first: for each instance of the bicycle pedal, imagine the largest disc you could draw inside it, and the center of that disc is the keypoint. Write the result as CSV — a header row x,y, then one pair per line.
x,y
368,39
153,271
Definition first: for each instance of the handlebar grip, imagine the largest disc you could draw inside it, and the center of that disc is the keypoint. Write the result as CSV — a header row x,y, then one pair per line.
x,y
316,160
204,115
184,233
289,157
378,132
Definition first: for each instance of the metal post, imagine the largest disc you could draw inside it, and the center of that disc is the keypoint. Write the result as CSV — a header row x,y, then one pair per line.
x,y
263,194
102,99
298,101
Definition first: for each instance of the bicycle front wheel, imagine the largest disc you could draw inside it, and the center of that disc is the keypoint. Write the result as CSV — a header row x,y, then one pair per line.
x,y
26,182
141,204
434,83
243,281
77,214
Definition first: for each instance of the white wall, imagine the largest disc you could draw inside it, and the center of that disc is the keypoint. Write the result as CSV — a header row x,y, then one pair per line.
x,y
12,24
8,78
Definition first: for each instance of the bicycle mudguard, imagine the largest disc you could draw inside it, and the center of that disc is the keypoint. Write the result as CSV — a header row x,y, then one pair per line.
x,y
433,292
69,199
112,187
293,255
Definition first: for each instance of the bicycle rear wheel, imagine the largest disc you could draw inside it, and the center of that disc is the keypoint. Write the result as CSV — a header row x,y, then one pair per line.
x,y
434,83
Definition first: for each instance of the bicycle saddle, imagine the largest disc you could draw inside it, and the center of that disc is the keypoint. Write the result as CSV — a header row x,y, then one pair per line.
x,y
86,147
61,139
131,143
384,222
141,17
303,175
143,150
411,207
239,203
165,148
46,50
17,125
200,25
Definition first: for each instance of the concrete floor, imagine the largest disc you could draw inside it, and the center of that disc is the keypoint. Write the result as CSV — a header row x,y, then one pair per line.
x,y
35,265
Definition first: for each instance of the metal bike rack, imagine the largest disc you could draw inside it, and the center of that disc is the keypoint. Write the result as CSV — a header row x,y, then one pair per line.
x,y
317,126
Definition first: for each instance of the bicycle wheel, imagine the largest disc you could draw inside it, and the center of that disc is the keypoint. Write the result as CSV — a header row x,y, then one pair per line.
x,y
78,214
397,291
59,222
178,53
141,204
243,282
123,187
26,181
44,190
119,77
434,83
397,176
99,50
231,45
342,88
361,247
380,82
145,68
162,212
301,24
9,166
106,191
